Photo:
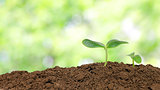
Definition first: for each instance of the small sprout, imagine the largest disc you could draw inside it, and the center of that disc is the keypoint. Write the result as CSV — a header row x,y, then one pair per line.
x,y
135,58
110,44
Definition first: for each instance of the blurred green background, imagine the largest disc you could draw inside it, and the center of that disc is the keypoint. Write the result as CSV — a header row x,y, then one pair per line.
x,y
40,34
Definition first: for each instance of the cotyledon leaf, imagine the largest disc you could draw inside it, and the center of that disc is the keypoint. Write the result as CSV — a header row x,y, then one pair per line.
x,y
114,43
92,44
137,59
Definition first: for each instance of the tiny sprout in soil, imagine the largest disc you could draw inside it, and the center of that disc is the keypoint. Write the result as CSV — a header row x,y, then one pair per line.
x,y
135,58
110,44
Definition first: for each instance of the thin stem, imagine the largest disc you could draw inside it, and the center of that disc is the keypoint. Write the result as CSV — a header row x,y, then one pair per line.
x,y
106,56
133,62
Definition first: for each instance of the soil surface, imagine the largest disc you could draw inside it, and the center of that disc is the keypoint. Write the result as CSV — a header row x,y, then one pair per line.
x,y
115,76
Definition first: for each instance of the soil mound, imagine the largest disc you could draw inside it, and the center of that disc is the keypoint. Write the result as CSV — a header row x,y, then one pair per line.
x,y
115,76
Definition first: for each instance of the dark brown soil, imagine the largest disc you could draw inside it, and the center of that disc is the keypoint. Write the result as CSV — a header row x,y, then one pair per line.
x,y
115,76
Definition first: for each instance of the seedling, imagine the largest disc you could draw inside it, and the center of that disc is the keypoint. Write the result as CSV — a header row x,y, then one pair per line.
x,y
110,44
135,58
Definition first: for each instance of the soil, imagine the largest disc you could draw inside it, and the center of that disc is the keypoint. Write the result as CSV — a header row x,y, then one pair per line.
x,y
115,76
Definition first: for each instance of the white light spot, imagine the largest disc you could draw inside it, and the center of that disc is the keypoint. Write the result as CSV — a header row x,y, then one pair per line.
x,y
47,43
90,14
27,39
4,56
48,61
130,29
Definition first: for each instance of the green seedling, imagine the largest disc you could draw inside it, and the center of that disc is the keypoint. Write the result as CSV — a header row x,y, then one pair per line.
x,y
110,44
135,58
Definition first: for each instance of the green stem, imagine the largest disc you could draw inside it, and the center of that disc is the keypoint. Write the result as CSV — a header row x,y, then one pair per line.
x,y
133,62
106,56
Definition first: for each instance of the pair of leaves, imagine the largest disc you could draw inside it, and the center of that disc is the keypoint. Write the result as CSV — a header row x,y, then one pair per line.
x,y
111,44
136,58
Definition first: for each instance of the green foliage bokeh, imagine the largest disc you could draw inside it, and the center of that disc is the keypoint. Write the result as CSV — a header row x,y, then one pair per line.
x,y
32,30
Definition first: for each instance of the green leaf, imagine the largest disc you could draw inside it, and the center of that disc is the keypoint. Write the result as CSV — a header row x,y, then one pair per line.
x,y
92,44
114,43
137,59
131,55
